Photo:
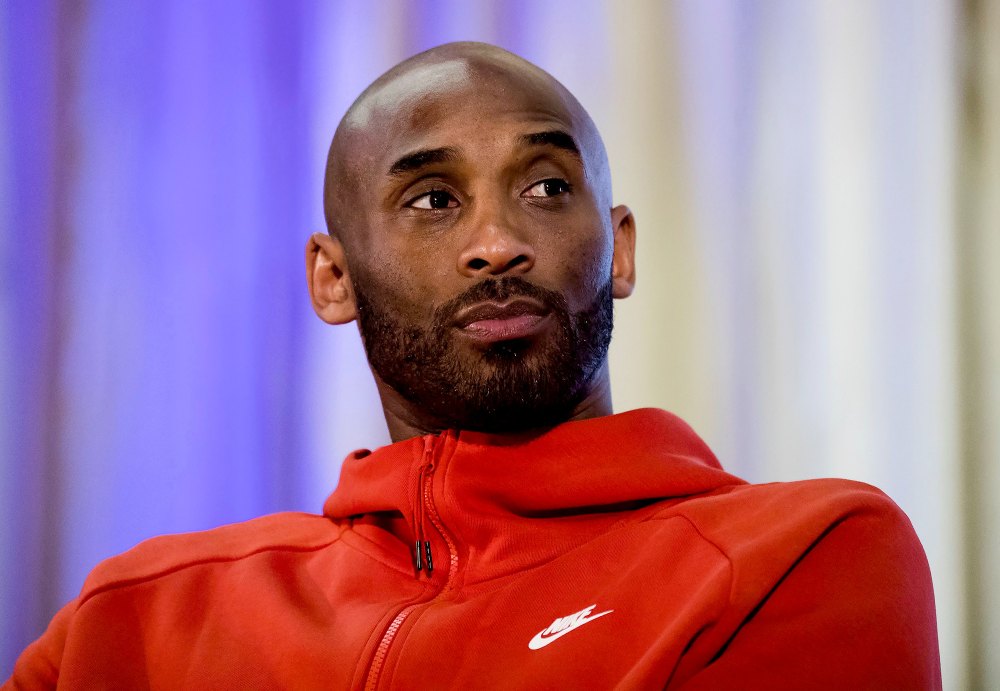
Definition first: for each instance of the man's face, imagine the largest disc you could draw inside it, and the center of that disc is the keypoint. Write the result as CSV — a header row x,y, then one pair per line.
x,y
481,264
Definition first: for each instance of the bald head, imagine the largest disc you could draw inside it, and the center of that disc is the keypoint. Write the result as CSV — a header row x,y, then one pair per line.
x,y
472,237
413,98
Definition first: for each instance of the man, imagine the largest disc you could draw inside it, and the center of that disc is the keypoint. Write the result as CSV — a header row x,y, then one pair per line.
x,y
516,534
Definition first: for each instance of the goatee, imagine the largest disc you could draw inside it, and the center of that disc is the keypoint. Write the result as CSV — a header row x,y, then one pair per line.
x,y
511,386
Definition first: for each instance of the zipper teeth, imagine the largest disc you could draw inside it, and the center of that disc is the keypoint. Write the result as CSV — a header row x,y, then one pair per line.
x,y
419,510
426,508
383,648
436,522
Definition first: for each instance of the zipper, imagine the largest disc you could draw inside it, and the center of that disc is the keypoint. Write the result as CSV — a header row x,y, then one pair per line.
x,y
383,647
422,547
423,511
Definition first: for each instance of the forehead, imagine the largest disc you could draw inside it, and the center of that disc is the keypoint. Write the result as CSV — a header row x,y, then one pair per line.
x,y
438,104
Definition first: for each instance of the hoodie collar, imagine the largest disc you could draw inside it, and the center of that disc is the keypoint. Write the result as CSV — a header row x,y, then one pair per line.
x,y
489,489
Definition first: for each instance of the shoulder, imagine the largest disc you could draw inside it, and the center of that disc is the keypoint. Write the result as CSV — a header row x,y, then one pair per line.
x,y
747,512
168,554
770,527
831,528
820,572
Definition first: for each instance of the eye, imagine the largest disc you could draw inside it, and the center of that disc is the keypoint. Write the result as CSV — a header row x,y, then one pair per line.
x,y
550,187
435,199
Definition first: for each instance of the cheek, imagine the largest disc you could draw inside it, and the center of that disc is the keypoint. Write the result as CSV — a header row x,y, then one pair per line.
x,y
402,284
588,257
584,266
381,282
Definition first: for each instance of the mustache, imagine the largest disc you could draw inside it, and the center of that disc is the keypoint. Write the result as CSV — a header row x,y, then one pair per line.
x,y
498,290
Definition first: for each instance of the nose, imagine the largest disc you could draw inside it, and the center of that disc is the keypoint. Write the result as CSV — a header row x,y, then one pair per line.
x,y
494,247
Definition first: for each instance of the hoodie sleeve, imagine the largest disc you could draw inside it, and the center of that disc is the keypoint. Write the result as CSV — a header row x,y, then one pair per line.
x,y
855,610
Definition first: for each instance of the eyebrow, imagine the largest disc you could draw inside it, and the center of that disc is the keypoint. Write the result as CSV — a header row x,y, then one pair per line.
x,y
446,154
557,138
424,157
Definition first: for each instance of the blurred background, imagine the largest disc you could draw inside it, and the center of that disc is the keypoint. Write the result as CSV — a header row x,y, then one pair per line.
x,y
817,189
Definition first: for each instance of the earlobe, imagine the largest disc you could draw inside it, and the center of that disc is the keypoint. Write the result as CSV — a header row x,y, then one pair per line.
x,y
623,260
329,282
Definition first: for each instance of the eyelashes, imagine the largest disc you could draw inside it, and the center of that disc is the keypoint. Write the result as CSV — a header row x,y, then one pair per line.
x,y
439,199
433,200
549,187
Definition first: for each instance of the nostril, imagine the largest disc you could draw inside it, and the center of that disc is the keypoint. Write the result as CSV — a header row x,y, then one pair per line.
x,y
478,264
516,261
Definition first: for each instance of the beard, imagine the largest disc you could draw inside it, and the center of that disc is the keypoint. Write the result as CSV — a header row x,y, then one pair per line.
x,y
510,386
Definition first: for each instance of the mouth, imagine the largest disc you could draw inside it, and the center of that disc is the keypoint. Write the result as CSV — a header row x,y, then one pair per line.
x,y
493,322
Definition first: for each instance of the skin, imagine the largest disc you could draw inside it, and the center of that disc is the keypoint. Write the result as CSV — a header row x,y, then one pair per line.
x,y
500,203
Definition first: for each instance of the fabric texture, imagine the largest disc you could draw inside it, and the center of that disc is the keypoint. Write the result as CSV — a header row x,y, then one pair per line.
x,y
612,552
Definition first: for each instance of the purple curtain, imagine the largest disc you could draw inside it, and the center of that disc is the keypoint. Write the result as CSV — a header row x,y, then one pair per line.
x,y
157,166
161,167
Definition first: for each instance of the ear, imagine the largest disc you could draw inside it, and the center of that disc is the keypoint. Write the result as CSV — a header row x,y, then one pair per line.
x,y
329,282
623,259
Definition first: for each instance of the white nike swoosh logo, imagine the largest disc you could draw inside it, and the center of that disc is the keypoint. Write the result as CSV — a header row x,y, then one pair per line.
x,y
570,623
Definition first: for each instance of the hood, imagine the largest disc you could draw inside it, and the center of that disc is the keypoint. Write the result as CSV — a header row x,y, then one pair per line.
x,y
508,504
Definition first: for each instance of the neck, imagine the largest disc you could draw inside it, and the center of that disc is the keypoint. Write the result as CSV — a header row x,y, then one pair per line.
x,y
406,420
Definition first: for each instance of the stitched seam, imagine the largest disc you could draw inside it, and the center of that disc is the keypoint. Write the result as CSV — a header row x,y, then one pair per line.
x,y
128,582
694,526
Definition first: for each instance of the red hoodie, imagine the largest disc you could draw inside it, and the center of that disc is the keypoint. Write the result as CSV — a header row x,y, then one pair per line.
x,y
612,552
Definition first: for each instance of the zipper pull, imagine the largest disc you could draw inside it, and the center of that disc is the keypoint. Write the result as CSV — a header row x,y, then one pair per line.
x,y
422,547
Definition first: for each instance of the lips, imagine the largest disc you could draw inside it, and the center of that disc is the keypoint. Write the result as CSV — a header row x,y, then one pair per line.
x,y
491,322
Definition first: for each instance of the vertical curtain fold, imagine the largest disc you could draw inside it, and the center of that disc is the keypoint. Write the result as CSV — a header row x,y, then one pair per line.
x,y
978,271
40,153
